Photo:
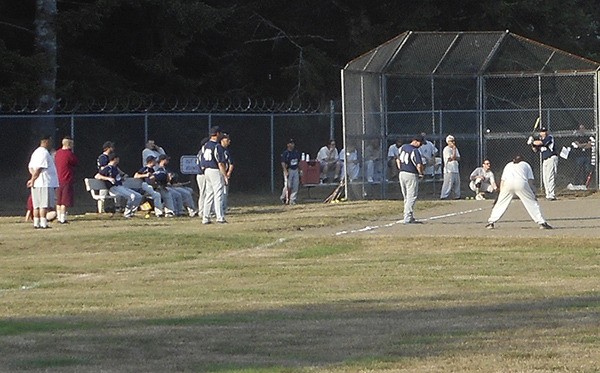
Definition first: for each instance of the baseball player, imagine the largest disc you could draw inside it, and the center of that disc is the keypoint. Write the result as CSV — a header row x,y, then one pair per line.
x,y
482,180
549,161
107,148
290,159
451,174
112,175
213,163
229,166
517,179
411,169
200,179
146,173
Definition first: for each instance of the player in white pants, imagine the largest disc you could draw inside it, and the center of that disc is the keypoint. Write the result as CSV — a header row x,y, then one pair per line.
x,y
517,179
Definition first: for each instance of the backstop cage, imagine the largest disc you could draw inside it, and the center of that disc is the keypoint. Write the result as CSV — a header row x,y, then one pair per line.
x,y
485,88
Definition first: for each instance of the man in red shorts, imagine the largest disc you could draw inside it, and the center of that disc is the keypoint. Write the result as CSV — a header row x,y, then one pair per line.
x,y
65,161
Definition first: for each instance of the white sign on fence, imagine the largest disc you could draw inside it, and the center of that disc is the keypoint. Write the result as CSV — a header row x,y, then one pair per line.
x,y
188,165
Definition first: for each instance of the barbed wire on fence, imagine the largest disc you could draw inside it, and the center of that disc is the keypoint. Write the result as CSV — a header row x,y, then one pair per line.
x,y
154,104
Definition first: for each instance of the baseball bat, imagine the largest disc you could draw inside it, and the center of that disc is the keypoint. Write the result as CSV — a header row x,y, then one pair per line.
x,y
535,127
336,193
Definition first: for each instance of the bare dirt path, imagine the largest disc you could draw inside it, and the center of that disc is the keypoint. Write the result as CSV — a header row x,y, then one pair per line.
x,y
572,217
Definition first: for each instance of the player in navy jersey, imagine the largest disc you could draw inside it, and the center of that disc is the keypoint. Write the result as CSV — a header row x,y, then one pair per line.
x,y
290,159
146,173
212,162
112,176
229,166
411,168
200,179
549,161
107,149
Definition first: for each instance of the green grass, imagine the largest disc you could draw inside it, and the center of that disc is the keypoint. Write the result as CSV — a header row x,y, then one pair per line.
x,y
276,291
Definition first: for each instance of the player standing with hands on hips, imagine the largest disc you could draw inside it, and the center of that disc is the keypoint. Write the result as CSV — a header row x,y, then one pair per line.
x,y
411,168
517,179
549,161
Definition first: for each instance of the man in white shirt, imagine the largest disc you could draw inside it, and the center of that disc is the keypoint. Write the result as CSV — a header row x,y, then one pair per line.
x,y
517,179
428,152
329,160
451,157
153,150
43,182
393,152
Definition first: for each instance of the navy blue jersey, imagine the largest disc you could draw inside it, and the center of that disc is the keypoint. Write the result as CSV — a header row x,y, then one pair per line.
x,y
144,170
548,144
212,155
228,158
161,176
409,157
291,158
102,161
111,171
199,161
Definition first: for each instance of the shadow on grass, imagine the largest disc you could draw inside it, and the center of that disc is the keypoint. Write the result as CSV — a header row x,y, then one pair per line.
x,y
351,334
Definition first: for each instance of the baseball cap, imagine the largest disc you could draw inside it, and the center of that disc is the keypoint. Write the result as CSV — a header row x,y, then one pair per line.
x,y
291,141
108,144
163,156
544,129
449,138
150,158
214,130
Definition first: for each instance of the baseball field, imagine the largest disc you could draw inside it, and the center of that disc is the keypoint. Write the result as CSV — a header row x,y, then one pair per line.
x,y
307,288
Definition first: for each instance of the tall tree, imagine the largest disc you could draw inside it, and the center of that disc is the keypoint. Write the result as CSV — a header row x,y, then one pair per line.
x,y
46,46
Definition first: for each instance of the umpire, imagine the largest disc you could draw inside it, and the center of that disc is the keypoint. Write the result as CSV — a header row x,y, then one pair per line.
x,y
411,168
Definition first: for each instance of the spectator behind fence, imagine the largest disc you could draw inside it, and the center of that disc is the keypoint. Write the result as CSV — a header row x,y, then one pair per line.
x,y
151,149
451,183
330,162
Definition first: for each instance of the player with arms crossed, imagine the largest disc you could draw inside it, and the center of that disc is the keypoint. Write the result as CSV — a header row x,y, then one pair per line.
x,y
517,179
411,168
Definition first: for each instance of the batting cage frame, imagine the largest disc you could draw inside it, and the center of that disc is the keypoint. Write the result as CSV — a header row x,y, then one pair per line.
x,y
487,89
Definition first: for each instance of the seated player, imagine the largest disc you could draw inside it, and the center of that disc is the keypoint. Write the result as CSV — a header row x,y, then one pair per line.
x,y
114,182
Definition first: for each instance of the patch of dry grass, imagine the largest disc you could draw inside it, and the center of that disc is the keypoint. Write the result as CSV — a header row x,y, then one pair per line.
x,y
270,293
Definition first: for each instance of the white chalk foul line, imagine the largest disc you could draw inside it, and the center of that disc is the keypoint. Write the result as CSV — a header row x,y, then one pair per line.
x,y
371,228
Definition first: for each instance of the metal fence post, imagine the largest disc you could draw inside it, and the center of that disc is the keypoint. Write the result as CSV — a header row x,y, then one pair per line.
x,y
272,154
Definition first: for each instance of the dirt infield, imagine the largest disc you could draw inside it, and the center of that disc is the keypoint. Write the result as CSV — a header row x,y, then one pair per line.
x,y
572,217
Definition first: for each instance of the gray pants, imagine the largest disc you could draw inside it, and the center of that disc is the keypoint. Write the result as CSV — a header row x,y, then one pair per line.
x,y
213,194
451,185
409,184
201,180
292,183
550,166
132,197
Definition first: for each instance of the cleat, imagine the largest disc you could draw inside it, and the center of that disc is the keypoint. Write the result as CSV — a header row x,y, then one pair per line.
x,y
489,226
545,226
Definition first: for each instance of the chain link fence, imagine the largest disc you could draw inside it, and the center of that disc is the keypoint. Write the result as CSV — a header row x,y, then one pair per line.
x,y
485,89
257,142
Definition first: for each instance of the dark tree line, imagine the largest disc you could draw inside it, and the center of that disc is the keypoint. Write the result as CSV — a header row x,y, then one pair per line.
x,y
268,48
